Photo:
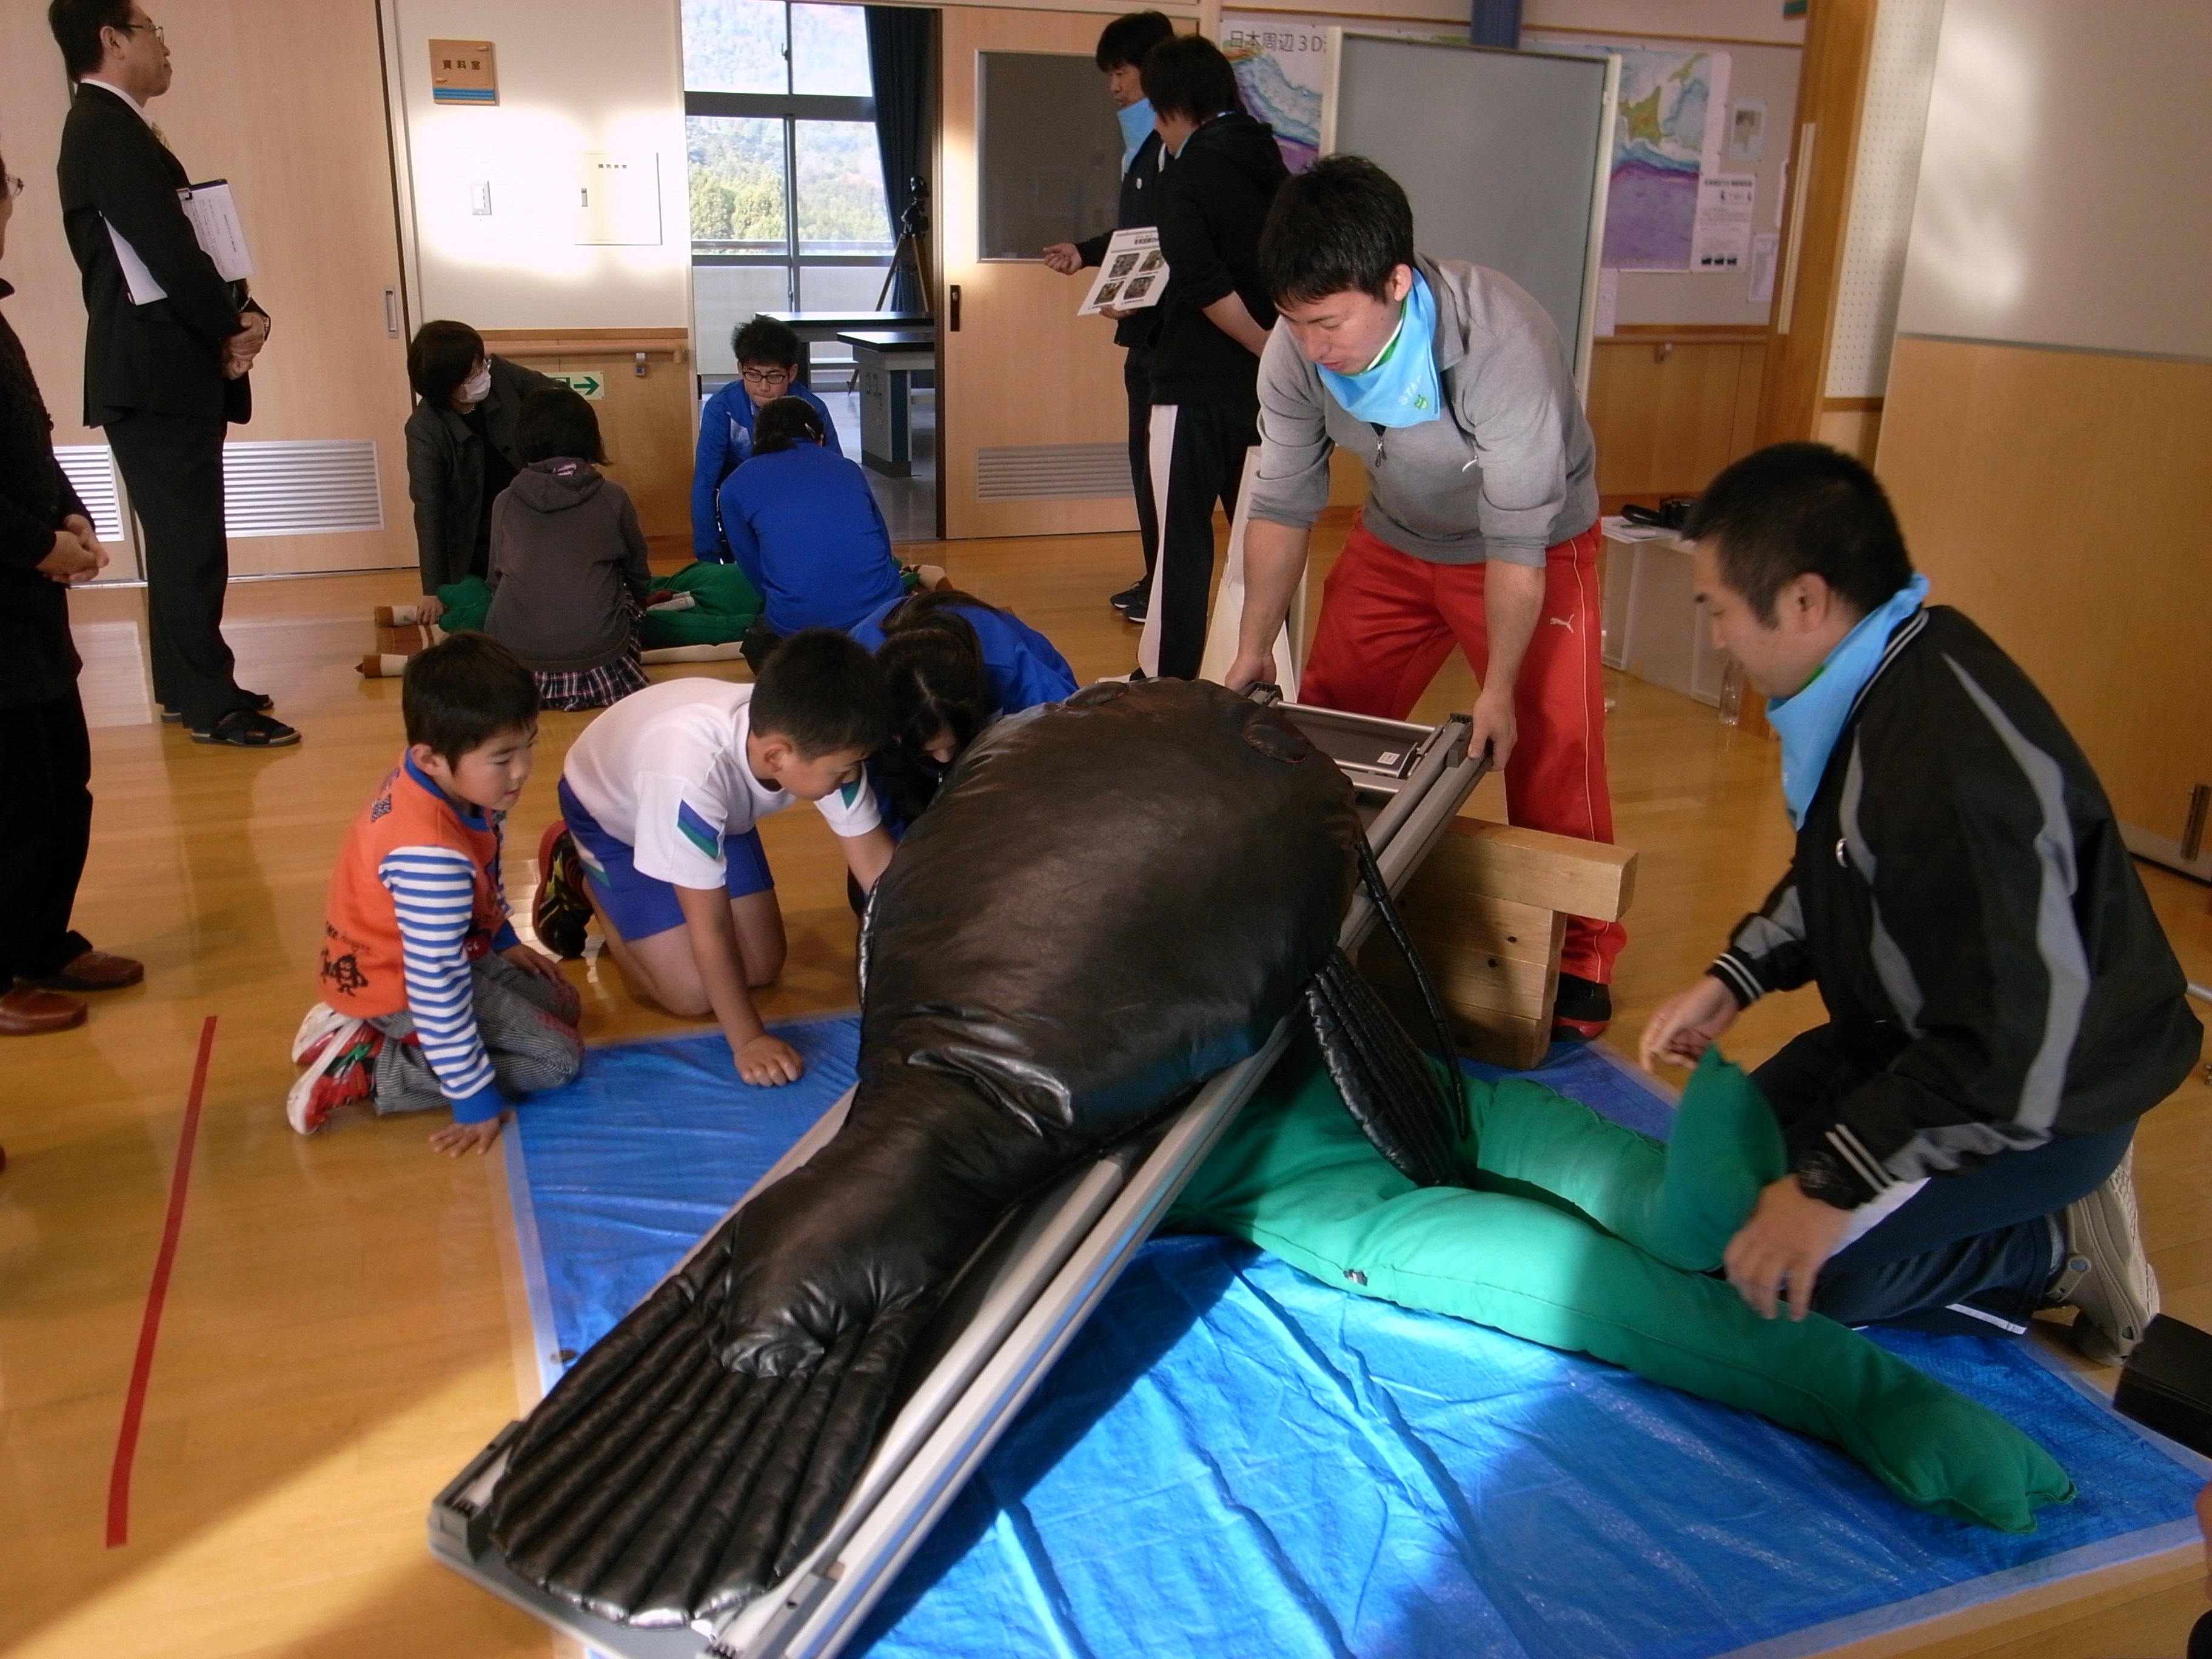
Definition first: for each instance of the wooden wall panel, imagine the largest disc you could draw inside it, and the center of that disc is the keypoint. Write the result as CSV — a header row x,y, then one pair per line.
x,y
2057,497
1671,407
308,155
647,421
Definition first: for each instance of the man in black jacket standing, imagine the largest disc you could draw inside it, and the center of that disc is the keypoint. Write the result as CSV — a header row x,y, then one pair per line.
x,y
1122,45
1216,186
162,375
2002,1004
46,542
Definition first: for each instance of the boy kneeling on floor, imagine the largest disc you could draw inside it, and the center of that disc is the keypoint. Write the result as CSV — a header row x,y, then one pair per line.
x,y
656,839
429,999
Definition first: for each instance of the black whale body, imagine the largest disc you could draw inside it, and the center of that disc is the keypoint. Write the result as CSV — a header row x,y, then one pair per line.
x,y
1110,900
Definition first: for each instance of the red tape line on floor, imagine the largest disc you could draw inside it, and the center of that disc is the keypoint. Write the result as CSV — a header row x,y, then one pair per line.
x,y
149,1328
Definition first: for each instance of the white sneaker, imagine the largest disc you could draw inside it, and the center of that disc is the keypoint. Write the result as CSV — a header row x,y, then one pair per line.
x,y
2105,1277
321,1020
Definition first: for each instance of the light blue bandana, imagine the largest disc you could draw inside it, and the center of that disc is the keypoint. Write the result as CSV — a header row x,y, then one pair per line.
x,y
1810,722
1136,122
1399,388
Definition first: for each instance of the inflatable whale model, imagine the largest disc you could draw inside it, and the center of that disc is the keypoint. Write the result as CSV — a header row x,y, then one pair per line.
x,y
1110,900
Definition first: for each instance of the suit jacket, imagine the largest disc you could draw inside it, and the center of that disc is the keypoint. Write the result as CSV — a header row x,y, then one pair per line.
x,y
166,357
37,660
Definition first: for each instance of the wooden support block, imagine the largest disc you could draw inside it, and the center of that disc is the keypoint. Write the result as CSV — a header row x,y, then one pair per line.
x,y
1488,911
1529,866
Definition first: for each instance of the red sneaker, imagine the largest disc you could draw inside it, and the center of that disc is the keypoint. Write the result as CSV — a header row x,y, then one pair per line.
x,y
337,1073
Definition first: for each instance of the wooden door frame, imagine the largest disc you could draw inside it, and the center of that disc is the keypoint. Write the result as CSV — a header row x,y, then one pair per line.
x,y
1831,99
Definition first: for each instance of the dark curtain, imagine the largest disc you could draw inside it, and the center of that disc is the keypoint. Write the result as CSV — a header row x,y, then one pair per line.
x,y
899,40
1495,23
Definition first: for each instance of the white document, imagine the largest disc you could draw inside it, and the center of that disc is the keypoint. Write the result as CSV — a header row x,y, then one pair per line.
x,y
213,215
1721,238
1766,248
136,279
1607,315
1131,276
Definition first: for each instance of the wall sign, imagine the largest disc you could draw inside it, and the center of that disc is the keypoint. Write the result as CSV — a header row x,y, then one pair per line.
x,y
584,382
463,72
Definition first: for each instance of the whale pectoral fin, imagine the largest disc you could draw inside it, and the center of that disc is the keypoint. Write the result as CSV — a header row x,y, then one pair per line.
x,y
696,1485
1401,1102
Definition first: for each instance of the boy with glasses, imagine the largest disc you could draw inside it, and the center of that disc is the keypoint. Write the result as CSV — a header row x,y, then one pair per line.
x,y
768,353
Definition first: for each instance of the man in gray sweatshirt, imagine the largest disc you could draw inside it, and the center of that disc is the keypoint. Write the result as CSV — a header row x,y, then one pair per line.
x,y
1452,386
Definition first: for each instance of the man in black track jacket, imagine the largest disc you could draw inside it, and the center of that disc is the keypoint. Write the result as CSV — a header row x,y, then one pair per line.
x,y
1215,188
2002,1004
1122,45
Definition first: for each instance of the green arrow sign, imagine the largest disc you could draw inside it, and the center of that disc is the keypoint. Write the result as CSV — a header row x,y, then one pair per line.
x,y
584,384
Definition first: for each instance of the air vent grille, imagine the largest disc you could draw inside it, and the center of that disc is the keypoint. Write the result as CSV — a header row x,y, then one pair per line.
x,y
302,488
90,469
1051,472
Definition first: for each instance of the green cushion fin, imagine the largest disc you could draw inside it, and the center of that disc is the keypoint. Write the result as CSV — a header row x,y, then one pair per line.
x,y
724,606
1295,1175
467,603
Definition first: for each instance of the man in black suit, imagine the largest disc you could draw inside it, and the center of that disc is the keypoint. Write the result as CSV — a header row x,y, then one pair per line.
x,y
163,377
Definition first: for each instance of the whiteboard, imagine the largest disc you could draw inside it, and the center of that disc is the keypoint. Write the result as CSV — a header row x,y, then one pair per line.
x,y
1504,155
2062,198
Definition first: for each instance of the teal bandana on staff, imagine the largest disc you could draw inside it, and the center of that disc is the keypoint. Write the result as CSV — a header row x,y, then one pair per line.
x,y
1399,388
1810,722
1136,121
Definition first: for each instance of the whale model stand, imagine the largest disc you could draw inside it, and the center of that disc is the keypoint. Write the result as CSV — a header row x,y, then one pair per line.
x,y
1016,1305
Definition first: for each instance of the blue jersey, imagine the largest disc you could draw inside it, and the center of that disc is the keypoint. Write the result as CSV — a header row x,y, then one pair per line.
x,y
1021,666
807,533
726,438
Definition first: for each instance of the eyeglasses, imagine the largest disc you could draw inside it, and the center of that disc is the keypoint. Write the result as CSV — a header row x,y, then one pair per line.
x,y
158,33
11,185
766,376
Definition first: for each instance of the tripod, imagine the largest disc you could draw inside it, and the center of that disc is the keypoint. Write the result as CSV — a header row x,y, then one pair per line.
x,y
913,226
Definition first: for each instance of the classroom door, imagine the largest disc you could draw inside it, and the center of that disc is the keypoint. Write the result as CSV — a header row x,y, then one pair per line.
x,y
1032,428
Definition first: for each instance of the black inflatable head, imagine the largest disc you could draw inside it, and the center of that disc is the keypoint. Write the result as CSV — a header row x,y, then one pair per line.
x,y
1111,899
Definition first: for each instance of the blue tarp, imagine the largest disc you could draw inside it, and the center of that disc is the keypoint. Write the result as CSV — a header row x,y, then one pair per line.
x,y
1234,1460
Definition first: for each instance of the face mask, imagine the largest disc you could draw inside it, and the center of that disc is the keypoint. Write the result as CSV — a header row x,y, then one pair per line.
x,y
477,386
1809,721
1136,123
1399,388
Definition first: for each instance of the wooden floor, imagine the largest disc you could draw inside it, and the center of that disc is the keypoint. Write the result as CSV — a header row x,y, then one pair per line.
x,y
344,1329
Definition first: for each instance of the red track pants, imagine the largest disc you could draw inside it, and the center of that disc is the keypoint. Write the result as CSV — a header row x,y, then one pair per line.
x,y
1387,621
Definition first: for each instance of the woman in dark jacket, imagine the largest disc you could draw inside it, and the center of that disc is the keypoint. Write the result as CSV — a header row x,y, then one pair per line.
x,y
47,543
460,449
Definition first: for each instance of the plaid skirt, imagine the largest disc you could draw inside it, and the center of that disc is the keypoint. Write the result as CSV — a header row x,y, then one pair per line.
x,y
592,688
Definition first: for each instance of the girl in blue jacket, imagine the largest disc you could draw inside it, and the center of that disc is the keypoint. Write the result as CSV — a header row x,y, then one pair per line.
x,y
768,355
806,530
954,665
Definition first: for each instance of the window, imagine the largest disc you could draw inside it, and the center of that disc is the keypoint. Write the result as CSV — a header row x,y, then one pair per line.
x,y
788,209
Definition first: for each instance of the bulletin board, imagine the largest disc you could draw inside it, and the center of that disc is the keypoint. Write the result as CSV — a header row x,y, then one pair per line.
x,y
1761,94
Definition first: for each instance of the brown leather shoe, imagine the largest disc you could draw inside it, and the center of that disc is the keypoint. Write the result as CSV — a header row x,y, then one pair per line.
x,y
94,971
26,1011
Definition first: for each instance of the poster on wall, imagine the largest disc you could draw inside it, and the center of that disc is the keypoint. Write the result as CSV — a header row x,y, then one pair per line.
x,y
1282,65
1667,134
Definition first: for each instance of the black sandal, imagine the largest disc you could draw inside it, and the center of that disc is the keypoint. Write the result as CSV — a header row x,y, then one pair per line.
x,y
241,728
